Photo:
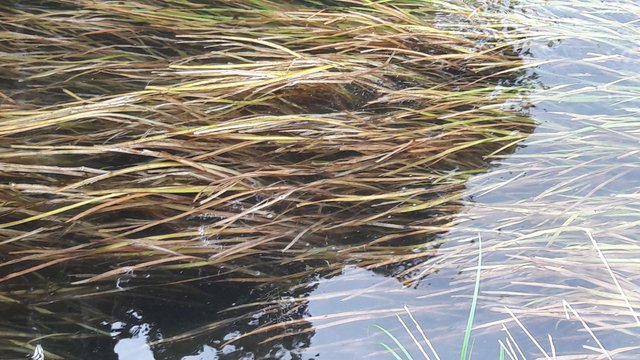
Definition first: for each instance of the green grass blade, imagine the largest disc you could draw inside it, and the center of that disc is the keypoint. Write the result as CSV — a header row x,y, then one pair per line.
x,y
393,352
396,341
474,302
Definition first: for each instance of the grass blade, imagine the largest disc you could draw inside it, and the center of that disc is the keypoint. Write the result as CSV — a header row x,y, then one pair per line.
x,y
467,333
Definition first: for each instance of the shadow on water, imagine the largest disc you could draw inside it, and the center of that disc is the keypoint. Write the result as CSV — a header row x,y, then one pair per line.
x,y
316,300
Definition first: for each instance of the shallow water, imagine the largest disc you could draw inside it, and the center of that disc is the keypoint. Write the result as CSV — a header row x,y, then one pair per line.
x,y
557,219
534,194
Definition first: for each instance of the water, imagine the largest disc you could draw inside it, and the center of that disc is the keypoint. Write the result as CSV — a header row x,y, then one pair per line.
x,y
558,221
535,210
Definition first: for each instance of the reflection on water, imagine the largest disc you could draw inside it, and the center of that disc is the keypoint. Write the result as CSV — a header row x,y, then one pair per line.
x,y
345,311
38,353
135,347
558,219
207,353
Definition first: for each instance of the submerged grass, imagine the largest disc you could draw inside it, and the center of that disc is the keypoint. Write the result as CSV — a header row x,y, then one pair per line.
x,y
260,142
545,269
267,143
139,132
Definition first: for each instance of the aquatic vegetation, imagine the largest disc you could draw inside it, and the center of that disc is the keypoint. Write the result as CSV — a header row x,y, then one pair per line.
x,y
559,219
465,352
241,139
261,143
193,152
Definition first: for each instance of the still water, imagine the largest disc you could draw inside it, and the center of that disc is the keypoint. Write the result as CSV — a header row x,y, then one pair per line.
x,y
557,221
580,168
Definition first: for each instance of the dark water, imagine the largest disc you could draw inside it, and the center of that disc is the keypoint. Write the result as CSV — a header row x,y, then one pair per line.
x,y
578,170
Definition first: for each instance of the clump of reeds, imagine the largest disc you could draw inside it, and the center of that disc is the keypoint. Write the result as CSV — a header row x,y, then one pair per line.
x,y
260,142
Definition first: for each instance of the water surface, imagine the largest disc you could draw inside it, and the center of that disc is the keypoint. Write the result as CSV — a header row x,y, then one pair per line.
x,y
557,217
